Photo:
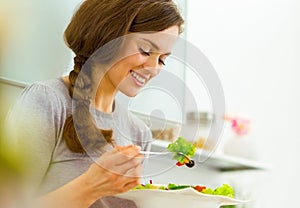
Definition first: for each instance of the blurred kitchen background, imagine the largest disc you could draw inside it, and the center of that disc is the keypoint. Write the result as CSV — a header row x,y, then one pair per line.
x,y
253,45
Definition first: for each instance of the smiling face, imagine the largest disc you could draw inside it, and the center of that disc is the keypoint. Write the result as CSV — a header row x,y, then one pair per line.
x,y
143,55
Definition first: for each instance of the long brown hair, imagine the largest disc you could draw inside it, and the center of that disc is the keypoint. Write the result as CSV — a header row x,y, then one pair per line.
x,y
96,23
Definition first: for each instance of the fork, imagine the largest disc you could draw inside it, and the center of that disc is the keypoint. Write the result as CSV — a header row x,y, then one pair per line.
x,y
164,153
154,153
189,164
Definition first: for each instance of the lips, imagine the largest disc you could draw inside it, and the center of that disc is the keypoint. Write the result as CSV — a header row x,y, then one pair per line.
x,y
139,79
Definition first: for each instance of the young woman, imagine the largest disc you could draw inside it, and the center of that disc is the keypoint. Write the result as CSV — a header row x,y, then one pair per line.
x,y
82,144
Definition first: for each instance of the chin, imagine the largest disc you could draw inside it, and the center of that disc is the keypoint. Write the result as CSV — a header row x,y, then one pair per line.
x,y
130,94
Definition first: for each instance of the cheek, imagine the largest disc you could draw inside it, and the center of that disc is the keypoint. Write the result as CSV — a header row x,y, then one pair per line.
x,y
121,70
116,75
134,60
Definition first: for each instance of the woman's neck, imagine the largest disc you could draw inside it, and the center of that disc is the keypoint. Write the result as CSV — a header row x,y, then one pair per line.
x,y
105,96
104,101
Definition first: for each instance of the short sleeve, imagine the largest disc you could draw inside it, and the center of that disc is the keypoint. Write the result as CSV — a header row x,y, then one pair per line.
x,y
33,126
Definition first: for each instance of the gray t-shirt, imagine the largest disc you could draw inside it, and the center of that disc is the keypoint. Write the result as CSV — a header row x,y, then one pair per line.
x,y
37,121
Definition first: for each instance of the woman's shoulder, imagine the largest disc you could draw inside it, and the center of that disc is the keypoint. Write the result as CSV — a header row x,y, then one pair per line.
x,y
48,87
49,96
52,91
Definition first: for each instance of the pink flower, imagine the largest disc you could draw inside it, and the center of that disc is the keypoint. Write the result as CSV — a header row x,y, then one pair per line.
x,y
240,126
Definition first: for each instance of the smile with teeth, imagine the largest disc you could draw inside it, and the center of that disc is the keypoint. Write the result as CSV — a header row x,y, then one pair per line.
x,y
140,80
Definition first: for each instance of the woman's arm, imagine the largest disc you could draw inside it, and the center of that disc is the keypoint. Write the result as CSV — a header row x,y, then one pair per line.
x,y
75,194
115,172
32,130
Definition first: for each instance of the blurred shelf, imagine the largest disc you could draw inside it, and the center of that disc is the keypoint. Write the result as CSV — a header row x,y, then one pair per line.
x,y
12,82
218,162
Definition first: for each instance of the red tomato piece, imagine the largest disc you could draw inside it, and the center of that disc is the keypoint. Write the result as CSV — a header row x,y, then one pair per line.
x,y
199,188
179,164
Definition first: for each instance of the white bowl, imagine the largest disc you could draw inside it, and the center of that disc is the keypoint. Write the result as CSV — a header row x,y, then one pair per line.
x,y
188,197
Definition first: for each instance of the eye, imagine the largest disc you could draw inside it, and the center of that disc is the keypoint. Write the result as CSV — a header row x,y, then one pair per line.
x,y
143,52
161,62
162,59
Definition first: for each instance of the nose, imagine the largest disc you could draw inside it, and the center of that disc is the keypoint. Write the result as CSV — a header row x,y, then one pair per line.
x,y
152,65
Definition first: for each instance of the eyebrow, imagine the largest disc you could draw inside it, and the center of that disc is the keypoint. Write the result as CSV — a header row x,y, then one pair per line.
x,y
155,46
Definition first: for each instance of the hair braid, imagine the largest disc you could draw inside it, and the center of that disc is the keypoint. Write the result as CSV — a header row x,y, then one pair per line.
x,y
78,63
91,136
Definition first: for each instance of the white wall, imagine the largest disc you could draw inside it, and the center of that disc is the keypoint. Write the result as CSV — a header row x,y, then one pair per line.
x,y
254,46
34,47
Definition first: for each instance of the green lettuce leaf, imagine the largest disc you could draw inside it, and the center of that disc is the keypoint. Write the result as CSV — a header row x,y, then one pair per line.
x,y
181,145
224,190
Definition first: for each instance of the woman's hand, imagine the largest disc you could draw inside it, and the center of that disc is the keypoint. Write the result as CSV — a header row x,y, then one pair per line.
x,y
115,171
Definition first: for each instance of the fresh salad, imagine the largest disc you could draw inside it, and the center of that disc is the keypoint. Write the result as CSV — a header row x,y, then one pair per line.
x,y
182,150
224,190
